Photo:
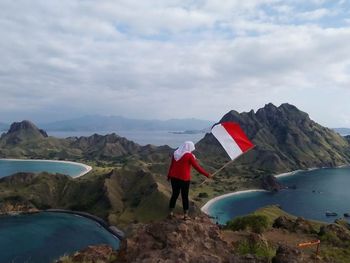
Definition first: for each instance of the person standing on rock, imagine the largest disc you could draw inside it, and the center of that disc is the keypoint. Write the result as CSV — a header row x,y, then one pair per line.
x,y
180,175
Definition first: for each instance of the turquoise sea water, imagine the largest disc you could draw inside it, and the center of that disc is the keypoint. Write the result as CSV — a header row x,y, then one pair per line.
x,y
46,236
8,167
316,192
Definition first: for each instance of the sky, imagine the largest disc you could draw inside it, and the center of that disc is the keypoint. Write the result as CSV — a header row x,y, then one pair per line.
x,y
155,59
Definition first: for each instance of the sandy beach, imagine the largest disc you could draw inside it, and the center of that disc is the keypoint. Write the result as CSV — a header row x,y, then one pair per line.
x,y
87,167
288,173
207,205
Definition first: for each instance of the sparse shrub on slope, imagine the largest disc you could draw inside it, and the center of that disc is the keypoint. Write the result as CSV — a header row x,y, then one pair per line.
x,y
254,223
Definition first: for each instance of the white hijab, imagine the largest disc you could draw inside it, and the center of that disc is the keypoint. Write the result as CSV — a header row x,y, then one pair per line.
x,y
186,147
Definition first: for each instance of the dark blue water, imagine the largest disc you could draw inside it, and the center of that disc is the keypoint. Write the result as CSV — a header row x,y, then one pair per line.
x,y
8,167
317,191
46,236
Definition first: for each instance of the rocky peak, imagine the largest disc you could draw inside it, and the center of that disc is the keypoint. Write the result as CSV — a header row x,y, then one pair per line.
x,y
286,139
176,240
25,126
22,131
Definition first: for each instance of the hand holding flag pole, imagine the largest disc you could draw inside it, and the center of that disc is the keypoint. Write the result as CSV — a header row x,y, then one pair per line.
x,y
234,141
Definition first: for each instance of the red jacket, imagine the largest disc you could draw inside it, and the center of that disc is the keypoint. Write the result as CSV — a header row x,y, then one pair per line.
x,y
181,169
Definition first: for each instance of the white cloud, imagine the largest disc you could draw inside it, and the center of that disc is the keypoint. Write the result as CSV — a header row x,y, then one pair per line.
x,y
163,59
315,14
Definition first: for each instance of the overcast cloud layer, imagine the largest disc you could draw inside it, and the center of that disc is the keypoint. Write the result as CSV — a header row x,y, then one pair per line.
x,y
160,59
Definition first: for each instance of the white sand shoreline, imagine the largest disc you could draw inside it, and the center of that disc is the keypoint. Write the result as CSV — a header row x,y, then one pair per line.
x,y
292,173
205,208
88,168
207,205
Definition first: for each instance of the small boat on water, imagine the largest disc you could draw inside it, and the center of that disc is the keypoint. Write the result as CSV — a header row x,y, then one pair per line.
x,y
329,213
347,215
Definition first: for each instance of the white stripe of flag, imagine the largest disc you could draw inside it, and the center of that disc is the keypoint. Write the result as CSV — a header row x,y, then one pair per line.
x,y
232,138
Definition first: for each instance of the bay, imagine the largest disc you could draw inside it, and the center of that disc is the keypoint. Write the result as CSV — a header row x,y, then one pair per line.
x,y
317,191
46,236
8,167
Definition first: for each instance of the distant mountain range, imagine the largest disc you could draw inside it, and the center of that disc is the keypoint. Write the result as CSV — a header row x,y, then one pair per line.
x,y
342,131
286,139
95,123
25,140
118,123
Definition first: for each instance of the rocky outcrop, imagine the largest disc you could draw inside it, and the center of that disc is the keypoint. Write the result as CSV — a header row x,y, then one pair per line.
x,y
336,234
270,183
298,225
16,205
342,222
99,253
285,254
174,240
25,126
22,131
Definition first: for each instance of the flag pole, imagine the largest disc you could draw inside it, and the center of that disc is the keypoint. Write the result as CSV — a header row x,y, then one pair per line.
x,y
217,171
222,167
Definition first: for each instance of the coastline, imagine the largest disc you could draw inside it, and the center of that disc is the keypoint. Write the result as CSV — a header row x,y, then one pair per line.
x,y
88,168
206,206
293,172
116,232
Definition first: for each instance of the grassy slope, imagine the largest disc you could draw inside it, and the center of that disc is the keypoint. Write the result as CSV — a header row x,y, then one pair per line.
x,y
329,251
120,195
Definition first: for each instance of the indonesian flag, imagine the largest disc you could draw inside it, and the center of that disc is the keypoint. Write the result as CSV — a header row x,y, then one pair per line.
x,y
232,138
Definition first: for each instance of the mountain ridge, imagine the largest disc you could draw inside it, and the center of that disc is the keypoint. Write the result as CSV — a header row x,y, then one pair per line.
x,y
24,139
115,123
286,139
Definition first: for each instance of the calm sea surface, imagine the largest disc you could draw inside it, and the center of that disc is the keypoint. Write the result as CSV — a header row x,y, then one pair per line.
x,y
46,236
141,137
8,167
316,192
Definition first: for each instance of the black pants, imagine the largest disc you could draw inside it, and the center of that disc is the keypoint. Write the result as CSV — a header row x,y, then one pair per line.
x,y
179,185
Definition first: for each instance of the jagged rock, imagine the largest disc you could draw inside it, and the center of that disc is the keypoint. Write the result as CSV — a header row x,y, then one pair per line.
x,y
22,131
270,183
286,139
285,254
16,206
98,253
298,225
343,223
174,240
336,234
23,125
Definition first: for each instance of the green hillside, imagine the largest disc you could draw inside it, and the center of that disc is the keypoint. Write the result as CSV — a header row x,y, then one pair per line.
x,y
128,182
286,139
